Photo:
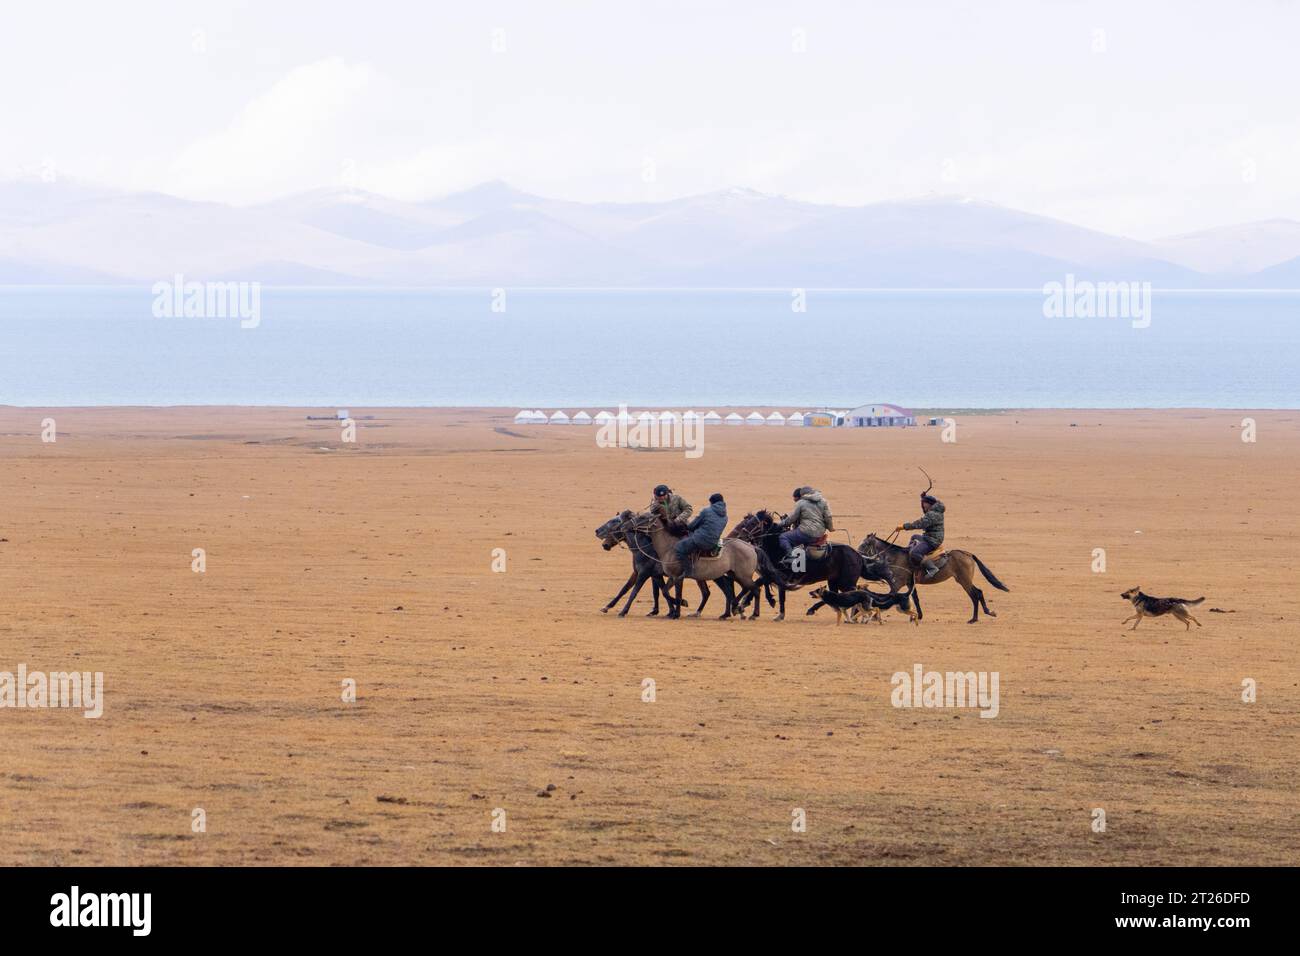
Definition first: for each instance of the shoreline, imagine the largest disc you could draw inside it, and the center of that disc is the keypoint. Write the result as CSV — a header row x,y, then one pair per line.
x,y
512,409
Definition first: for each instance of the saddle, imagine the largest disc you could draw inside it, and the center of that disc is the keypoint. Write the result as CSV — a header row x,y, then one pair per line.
x,y
939,556
816,550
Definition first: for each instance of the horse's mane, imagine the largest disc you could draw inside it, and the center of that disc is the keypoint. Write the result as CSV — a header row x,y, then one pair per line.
x,y
638,524
886,546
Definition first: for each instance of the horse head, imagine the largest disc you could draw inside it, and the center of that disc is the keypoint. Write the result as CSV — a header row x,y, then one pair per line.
x,y
870,546
748,528
613,532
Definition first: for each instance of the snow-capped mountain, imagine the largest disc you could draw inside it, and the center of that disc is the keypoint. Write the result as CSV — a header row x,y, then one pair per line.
x,y
493,234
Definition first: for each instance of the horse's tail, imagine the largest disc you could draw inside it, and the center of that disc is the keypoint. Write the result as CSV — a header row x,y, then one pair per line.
x,y
766,565
993,578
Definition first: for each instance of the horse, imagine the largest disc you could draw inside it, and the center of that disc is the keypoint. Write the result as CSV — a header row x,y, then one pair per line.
x,y
735,564
644,567
840,568
959,565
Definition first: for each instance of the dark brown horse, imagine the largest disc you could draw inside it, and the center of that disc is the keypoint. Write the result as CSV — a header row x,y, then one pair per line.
x,y
959,565
840,568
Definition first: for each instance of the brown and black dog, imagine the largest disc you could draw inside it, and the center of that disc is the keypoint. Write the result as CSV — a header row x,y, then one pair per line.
x,y
863,605
1147,606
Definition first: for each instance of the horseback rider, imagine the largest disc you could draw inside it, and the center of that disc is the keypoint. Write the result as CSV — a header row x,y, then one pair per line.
x,y
675,508
705,533
809,521
930,524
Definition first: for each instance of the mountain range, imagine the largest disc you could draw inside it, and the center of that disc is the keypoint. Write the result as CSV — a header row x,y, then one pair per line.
x,y
494,235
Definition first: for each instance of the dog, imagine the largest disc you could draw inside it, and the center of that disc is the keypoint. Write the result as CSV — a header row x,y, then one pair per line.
x,y
1147,606
863,606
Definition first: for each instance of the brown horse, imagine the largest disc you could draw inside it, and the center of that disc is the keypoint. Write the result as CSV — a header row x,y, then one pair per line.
x,y
735,564
959,565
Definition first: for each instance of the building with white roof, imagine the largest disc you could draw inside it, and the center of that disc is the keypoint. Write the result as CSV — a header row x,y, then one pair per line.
x,y
878,415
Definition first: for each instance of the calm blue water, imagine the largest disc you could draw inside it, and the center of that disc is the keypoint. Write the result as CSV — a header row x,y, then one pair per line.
x,y
567,349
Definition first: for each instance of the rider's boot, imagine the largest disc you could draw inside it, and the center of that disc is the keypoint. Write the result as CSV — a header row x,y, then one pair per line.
x,y
929,569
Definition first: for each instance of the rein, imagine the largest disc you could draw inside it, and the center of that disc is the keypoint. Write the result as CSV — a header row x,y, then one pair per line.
x,y
637,543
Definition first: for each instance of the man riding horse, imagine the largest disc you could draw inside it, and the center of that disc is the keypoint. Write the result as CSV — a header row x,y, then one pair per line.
x,y
676,509
930,524
705,532
808,522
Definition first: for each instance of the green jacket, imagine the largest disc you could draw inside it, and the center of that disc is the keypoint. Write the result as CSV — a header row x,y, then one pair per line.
x,y
676,508
811,515
929,524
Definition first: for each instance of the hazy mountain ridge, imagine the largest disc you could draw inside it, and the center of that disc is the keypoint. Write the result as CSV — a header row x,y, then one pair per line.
x,y
493,234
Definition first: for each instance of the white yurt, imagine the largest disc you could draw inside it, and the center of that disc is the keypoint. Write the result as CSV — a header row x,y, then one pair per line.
x,y
603,416
559,418
712,418
795,420
755,418
524,416
667,418
776,418
691,417
582,418
646,419
734,419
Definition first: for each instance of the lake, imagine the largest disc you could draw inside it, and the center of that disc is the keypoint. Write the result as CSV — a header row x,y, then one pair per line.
x,y
344,348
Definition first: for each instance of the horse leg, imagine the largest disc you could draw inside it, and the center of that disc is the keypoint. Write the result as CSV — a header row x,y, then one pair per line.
x,y
744,601
780,593
751,589
704,597
640,583
614,600
973,593
729,593
746,595
976,596
655,586
676,610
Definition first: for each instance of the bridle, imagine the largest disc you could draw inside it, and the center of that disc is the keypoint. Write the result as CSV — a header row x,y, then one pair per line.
x,y
629,524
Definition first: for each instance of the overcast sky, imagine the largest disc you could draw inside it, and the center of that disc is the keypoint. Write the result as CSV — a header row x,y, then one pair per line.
x,y
1141,118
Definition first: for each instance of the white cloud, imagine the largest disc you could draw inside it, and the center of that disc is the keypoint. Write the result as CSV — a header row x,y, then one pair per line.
x,y
293,136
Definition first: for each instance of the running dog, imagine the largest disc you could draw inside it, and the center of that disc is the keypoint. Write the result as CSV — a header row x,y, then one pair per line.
x,y
1147,606
862,606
